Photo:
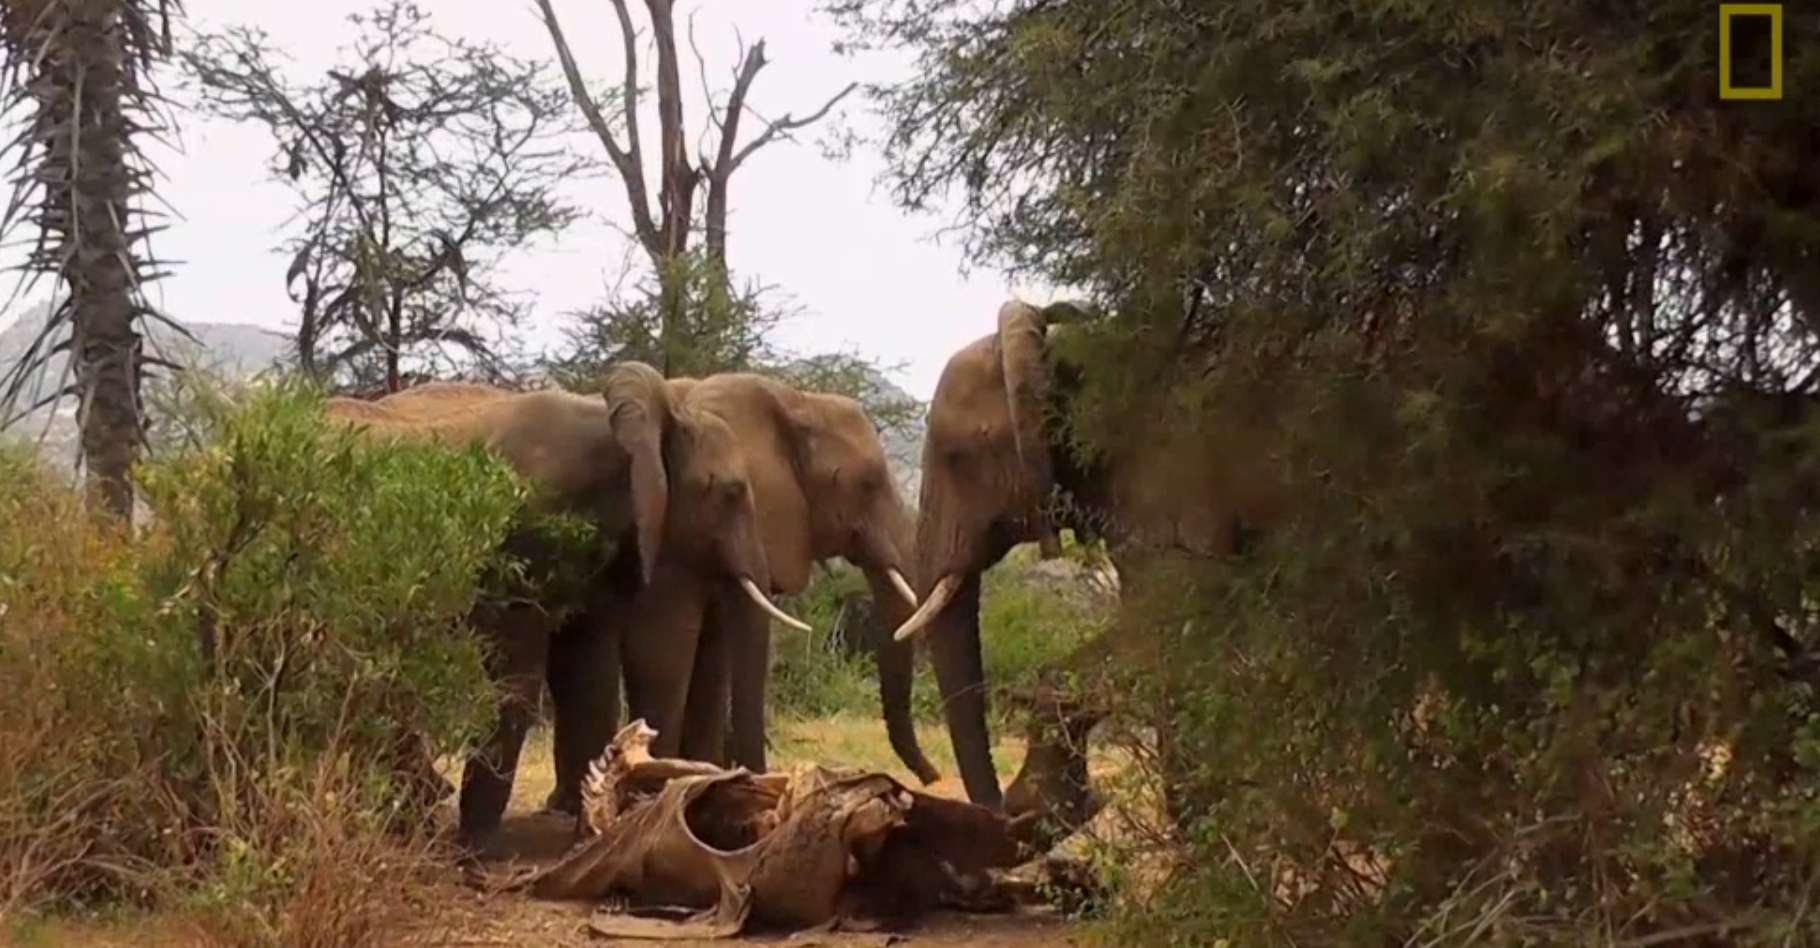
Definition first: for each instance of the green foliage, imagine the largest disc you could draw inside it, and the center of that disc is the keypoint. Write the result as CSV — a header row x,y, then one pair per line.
x,y
1032,616
244,701
686,321
689,321
1031,620
833,669
1529,321
858,378
329,579
413,184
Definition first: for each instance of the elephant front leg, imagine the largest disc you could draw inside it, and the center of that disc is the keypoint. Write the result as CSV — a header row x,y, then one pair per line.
x,y
658,647
519,644
584,674
747,632
704,734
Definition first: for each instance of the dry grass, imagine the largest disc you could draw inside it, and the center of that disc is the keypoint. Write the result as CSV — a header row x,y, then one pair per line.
x,y
353,891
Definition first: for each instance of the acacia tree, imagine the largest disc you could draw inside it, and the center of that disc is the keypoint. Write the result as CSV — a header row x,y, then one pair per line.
x,y
417,166
714,326
664,222
1491,276
78,69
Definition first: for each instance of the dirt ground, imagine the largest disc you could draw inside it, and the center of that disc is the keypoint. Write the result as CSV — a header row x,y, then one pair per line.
x,y
456,914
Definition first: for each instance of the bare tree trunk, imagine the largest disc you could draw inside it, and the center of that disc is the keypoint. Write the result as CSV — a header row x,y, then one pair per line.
x,y
394,341
666,239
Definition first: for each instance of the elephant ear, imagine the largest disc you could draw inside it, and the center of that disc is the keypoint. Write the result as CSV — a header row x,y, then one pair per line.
x,y
798,415
640,410
1022,332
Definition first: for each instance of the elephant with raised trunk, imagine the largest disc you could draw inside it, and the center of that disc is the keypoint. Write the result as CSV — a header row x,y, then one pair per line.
x,y
628,460
996,459
814,468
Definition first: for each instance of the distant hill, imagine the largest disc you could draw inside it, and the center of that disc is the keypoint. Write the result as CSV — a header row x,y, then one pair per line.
x,y
904,446
237,351
233,350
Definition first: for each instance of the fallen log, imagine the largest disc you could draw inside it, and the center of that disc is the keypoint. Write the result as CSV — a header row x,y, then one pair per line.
x,y
691,850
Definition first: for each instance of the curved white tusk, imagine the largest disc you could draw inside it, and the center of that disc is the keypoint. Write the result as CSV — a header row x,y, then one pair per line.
x,y
764,603
939,597
903,586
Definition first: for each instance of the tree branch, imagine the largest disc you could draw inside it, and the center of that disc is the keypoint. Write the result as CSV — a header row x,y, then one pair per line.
x,y
628,160
721,172
676,197
787,124
707,94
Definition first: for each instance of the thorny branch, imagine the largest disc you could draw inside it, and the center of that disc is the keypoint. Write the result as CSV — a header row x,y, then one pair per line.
x,y
416,167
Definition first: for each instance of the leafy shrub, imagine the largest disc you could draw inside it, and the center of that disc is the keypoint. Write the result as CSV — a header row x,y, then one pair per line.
x,y
817,674
1031,618
1505,697
1033,615
1529,656
273,666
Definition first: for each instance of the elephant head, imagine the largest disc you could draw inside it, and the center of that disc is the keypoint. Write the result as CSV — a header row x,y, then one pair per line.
x,y
857,513
990,462
714,531
818,475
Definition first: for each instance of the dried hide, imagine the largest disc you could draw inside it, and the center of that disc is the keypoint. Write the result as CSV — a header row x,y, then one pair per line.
x,y
694,851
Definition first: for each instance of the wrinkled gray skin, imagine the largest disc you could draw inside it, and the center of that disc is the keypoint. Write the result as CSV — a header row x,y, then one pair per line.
x,y
993,454
616,458
814,468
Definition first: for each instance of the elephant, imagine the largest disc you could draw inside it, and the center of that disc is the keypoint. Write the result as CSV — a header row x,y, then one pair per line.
x,y
815,469
996,453
631,461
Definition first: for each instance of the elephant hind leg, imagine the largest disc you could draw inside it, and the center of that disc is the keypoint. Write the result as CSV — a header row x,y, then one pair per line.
x,y
584,686
520,642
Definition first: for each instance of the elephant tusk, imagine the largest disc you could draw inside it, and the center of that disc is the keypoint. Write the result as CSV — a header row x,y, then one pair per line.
x,y
939,597
903,587
771,609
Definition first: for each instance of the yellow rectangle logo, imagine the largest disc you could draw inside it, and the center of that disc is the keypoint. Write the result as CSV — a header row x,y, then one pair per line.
x,y
1731,11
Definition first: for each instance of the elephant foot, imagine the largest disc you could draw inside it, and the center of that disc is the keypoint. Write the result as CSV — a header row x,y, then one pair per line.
x,y
563,801
478,846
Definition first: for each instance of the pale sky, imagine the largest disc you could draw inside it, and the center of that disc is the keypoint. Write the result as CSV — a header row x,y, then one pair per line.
x,y
865,275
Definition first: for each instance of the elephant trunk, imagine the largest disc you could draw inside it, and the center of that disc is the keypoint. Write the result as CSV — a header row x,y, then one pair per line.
x,y
896,669
954,647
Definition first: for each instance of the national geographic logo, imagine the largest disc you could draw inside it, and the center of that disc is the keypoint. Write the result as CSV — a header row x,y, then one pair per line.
x,y
1750,51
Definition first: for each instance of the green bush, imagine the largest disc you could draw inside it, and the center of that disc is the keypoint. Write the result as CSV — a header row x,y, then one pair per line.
x,y
1028,622
1031,620
812,674
277,660
1480,283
